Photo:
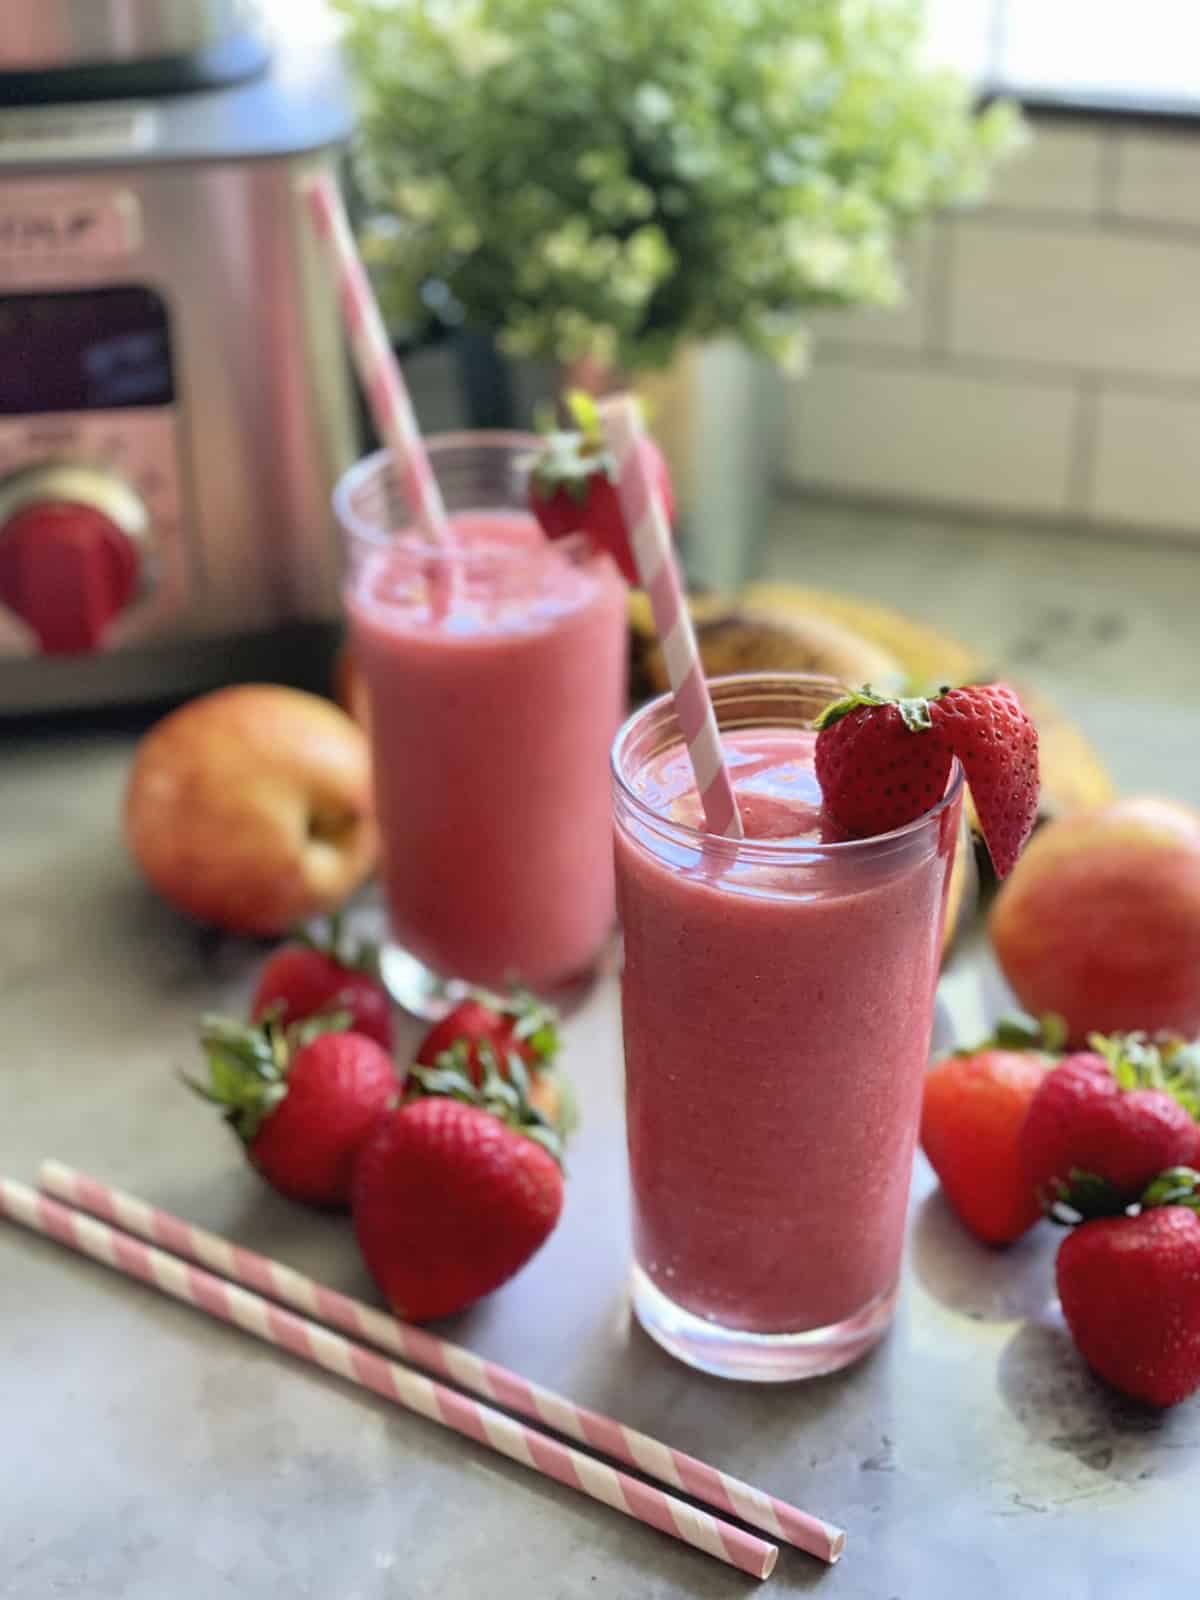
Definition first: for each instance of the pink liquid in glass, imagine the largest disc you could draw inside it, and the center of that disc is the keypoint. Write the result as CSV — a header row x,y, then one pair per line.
x,y
490,729
777,1002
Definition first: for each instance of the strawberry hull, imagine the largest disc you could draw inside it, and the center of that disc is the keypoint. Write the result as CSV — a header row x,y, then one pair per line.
x,y
1100,920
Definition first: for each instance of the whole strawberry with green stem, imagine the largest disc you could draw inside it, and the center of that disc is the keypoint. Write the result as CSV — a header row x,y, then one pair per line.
x,y
1130,1291
325,970
301,1099
883,761
455,1190
1113,1116
485,1030
573,484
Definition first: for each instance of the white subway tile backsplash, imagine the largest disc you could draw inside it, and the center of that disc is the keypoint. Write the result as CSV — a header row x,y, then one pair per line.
x,y
1060,171
919,433
1077,297
1147,461
1048,357
902,326
1158,177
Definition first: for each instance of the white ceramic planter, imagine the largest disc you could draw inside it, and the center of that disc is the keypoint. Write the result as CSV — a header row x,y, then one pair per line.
x,y
717,412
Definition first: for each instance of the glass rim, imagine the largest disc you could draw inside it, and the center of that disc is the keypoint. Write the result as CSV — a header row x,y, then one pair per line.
x,y
767,852
370,466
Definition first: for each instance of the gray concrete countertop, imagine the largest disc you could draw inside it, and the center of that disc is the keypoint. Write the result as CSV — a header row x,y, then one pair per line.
x,y
146,1452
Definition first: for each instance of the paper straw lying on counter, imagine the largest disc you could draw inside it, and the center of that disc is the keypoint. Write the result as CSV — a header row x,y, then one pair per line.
x,y
680,1471
230,1303
378,370
645,518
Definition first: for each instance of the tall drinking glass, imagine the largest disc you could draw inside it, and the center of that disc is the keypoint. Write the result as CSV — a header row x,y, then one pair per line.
x,y
777,1003
495,675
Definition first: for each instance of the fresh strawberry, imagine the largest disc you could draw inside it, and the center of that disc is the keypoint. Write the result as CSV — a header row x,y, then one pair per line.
x,y
302,1100
486,1031
989,732
974,1105
1115,1115
315,974
518,1023
882,762
1130,1292
573,489
454,1191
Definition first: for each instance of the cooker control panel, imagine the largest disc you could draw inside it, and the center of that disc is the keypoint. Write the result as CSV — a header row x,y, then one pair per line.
x,y
91,502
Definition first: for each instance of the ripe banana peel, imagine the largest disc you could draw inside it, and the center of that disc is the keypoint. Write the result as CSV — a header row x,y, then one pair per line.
x,y
786,627
927,657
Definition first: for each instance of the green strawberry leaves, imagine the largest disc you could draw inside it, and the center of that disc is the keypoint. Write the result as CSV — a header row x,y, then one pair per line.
x,y
1087,1197
914,710
1178,1186
504,1094
1083,1198
248,1064
1046,1034
1169,1063
536,1024
570,458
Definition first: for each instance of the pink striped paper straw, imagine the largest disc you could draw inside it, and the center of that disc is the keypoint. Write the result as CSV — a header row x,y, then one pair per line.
x,y
378,370
250,1312
271,1278
650,538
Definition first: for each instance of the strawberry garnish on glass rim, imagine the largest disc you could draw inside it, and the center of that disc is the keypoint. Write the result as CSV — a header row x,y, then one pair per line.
x,y
573,487
883,761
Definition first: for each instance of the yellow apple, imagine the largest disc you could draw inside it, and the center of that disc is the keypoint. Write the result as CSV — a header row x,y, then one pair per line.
x,y
250,808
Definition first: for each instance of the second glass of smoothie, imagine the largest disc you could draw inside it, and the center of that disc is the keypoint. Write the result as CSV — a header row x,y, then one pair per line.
x,y
495,678
777,1001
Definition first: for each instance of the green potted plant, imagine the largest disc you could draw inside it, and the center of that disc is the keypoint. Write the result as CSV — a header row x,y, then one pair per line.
x,y
602,183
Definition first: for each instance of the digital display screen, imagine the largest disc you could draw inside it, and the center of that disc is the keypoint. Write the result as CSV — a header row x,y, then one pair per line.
x,y
89,350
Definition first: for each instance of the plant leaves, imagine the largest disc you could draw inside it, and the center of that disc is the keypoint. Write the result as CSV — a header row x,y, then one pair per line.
x,y
607,178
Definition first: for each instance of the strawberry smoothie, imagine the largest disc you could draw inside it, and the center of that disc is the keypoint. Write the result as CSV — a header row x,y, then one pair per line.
x,y
491,715
778,1002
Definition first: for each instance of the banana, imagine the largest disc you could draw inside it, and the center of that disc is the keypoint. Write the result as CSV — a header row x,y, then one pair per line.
x,y
742,639
928,658
1073,776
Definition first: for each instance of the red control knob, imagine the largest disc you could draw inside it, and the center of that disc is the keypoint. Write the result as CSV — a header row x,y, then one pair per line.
x,y
67,570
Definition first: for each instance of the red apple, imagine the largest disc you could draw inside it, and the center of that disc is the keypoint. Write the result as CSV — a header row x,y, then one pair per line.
x,y
250,808
1100,919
